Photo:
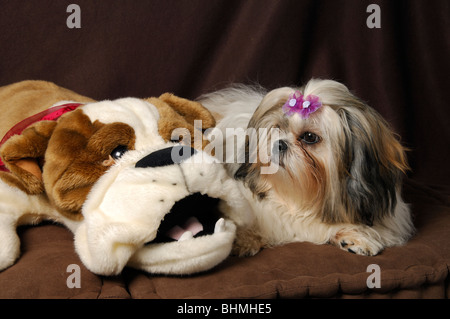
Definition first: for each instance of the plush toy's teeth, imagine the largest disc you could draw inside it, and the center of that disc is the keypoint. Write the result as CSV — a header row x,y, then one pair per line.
x,y
187,235
220,226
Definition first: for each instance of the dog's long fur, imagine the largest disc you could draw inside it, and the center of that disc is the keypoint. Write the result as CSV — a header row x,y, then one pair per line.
x,y
343,189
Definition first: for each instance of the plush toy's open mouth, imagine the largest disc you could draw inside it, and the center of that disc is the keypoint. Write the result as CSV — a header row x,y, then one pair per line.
x,y
193,216
158,228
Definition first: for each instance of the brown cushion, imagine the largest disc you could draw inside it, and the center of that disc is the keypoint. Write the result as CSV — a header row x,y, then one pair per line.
x,y
41,271
297,270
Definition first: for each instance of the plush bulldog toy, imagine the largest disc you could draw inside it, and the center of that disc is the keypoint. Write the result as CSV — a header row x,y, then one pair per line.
x,y
111,173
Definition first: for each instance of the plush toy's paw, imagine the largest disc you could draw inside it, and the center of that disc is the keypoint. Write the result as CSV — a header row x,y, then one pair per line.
x,y
9,252
9,244
189,254
357,242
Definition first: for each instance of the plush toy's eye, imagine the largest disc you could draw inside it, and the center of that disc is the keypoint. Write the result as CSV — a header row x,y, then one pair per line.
x,y
119,151
176,139
309,138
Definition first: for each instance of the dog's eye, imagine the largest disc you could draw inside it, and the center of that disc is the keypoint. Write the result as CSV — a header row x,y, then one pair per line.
x,y
119,151
310,138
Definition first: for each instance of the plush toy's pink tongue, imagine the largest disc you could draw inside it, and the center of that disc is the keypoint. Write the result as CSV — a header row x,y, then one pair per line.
x,y
190,228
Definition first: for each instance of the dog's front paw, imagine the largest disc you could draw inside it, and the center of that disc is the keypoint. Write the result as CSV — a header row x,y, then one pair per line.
x,y
356,246
357,242
247,243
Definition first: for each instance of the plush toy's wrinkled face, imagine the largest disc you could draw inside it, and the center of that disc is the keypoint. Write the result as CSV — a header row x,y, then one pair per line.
x,y
86,142
120,183
138,213
64,159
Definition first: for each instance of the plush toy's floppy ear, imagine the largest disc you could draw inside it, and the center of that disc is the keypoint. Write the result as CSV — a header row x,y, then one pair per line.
x,y
190,110
23,156
177,113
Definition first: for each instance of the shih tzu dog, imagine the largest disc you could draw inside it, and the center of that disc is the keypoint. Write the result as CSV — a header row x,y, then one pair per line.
x,y
316,163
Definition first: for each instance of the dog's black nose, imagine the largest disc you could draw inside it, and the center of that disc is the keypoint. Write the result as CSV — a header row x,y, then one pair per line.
x,y
279,146
166,156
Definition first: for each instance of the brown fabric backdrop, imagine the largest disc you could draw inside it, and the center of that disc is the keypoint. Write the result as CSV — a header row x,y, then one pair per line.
x,y
188,47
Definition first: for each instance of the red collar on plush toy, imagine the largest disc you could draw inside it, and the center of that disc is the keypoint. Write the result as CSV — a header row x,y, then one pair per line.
x,y
51,114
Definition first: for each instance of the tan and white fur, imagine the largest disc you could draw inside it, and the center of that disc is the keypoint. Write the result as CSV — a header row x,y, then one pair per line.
x,y
339,172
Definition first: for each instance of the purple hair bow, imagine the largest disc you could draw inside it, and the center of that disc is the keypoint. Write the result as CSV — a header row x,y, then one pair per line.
x,y
303,105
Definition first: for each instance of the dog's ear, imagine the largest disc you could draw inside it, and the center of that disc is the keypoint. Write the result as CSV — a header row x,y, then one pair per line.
x,y
374,162
178,114
23,156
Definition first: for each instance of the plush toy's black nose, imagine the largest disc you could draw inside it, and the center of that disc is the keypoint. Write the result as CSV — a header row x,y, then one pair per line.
x,y
167,156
